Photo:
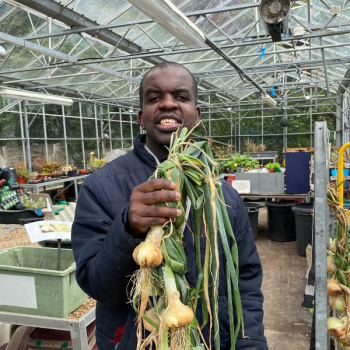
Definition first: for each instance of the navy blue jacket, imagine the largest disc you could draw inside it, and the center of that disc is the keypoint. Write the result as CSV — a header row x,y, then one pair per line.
x,y
103,253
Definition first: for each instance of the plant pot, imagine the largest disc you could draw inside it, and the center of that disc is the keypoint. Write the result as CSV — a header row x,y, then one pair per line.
x,y
61,196
41,176
21,180
272,171
34,210
73,173
39,211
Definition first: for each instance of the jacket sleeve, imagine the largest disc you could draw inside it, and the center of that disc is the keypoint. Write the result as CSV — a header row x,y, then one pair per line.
x,y
250,274
102,248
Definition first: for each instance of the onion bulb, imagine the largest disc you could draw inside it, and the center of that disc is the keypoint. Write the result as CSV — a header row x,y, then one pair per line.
x,y
148,253
153,316
331,265
177,314
333,287
332,247
337,302
336,327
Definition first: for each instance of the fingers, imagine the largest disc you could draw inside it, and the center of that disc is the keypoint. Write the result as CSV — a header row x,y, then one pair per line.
x,y
156,184
160,197
160,212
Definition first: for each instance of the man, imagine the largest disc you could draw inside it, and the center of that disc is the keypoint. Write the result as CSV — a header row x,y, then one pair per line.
x,y
115,211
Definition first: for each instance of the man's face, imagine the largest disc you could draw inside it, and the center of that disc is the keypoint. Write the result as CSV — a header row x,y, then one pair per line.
x,y
168,104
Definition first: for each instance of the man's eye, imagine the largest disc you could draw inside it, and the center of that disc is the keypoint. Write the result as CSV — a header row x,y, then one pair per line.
x,y
153,99
180,97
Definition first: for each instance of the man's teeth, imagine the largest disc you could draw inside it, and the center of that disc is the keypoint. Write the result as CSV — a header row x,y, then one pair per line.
x,y
168,121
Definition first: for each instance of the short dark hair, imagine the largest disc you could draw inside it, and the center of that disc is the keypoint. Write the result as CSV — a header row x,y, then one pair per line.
x,y
164,65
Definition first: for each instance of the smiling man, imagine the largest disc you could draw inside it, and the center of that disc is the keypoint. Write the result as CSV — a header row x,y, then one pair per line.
x,y
116,209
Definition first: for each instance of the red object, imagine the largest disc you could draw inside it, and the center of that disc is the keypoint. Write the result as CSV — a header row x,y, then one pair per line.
x,y
21,180
272,171
231,178
118,334
61,195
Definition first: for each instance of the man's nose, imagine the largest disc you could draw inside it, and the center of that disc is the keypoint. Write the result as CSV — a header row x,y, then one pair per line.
x,y
168,102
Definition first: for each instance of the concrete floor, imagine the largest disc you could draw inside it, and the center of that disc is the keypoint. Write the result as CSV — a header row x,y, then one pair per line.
x,y
287,323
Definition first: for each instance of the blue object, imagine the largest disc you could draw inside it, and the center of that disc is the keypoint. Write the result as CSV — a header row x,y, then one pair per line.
x,y
297,172
39,211
346,184
262,51
335,172
273,93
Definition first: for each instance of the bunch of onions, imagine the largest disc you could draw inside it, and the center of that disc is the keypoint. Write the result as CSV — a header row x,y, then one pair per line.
x,y
161,295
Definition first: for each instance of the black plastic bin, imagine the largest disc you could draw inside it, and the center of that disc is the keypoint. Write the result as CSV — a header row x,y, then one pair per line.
x,y
13,216
303,225
53,243
281,221
253,214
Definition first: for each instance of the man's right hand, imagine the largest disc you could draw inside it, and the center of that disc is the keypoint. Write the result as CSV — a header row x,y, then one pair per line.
x,y
142,212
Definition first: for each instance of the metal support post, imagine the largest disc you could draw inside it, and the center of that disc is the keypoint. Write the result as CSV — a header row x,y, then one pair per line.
x,y
321,233
27,135
324,66
285,130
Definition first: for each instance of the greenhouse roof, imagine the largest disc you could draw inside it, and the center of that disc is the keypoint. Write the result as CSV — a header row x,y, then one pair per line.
x,y
99,50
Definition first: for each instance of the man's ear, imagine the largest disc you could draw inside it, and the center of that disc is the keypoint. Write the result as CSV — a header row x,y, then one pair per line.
x,y
198,114
140,118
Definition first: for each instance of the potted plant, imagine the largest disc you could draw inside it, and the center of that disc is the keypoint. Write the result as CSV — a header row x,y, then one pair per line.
x,y
22,173
28,203
96,163
39,206
66,169
51,169
273,167
33,176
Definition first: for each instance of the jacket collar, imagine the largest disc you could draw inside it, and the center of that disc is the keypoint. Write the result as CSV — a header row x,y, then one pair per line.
x,y
143,153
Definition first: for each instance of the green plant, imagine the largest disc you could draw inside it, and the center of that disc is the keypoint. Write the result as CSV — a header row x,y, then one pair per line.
x,y
39,204
21,170
67,168
95,162
272,165
27,202
50,168
238,160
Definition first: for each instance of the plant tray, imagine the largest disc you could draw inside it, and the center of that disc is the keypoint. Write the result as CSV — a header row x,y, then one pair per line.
x,y
32,285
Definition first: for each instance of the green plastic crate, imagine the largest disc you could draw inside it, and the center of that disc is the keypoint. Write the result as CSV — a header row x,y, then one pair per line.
x,y
56,292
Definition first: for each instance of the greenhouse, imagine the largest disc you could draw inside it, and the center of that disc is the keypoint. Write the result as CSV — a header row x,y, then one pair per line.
x,y
208,135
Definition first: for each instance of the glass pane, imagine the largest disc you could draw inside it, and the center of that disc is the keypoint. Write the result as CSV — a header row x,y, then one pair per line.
x,y
56,151
115,130
116,144
127,144
220,127
38,154
89,128
89,146
272,111
330,118
37,128
10,125
203,128
73,127
256,139
250,126
13,151
72,110
136,129
126,130
53,109
274,143
296,141
54,127
298,124
75,153
125,117
6,101
87,110
272,125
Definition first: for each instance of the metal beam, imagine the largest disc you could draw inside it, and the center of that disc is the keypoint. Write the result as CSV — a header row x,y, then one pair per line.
x,y
62,56
95,29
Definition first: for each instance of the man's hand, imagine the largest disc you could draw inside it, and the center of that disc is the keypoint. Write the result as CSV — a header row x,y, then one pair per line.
x,y
142,213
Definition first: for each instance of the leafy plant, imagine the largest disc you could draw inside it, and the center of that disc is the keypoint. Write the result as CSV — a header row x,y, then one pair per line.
x,y
95,162
238,160
272,165
65,169
27,202
253,147
39,204
50,168
22,170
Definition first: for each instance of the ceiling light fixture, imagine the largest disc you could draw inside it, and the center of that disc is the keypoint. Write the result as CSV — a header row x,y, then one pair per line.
x,y
168,16
34,96
2,53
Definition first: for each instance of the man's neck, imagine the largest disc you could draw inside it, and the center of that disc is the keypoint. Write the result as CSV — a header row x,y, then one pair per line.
x,y
157,149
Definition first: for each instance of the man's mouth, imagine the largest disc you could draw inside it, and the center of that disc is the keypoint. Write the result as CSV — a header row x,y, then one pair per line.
x,y
168,124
